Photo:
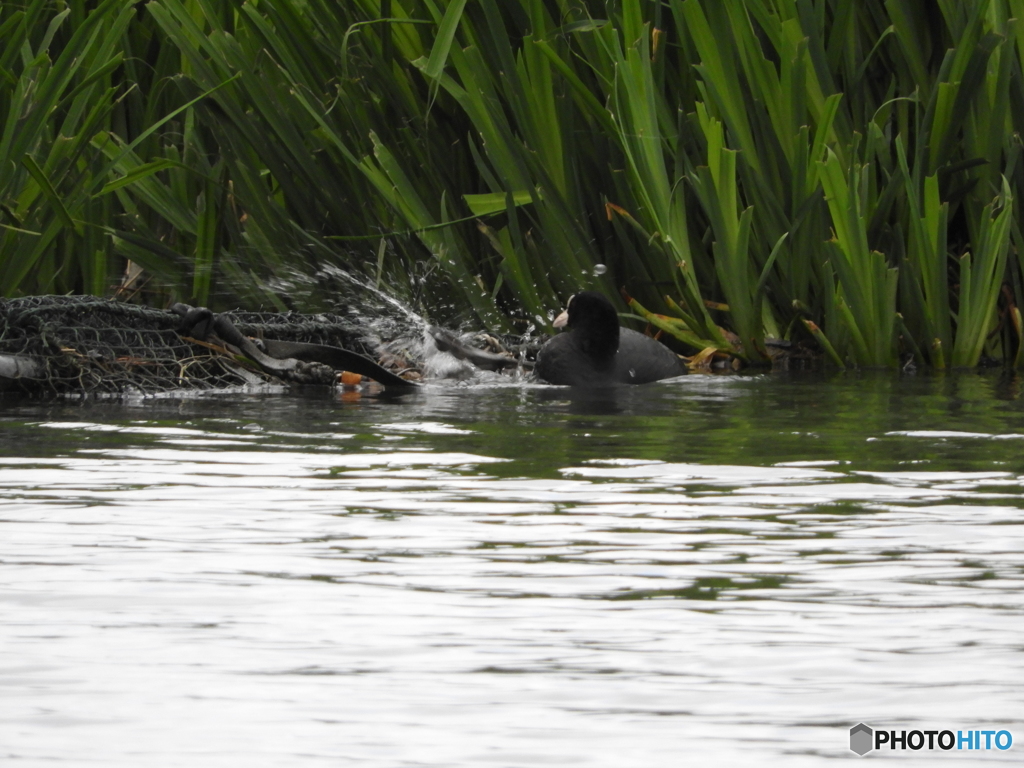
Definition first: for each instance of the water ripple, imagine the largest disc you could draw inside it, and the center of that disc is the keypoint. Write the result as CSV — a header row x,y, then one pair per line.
x,y
291,589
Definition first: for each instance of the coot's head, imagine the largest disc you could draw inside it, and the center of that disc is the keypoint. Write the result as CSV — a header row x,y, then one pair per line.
x,y
592,319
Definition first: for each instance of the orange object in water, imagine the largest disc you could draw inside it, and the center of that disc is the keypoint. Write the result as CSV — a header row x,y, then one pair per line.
x,y
350,379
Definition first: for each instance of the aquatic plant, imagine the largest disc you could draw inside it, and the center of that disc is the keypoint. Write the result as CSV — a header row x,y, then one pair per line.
x,y
843,172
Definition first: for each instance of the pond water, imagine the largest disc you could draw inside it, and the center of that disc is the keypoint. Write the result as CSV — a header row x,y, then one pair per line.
x,y
712,570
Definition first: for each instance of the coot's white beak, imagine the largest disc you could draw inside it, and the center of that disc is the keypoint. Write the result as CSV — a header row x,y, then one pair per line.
x,y
562,319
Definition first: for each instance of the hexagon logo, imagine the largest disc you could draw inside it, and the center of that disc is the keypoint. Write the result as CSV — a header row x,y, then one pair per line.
x,y
861,738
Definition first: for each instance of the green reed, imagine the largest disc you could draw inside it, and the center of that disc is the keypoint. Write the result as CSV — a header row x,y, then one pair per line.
x,y
845,173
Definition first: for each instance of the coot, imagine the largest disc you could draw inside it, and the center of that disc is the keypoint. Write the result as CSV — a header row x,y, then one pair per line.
x,y
596,352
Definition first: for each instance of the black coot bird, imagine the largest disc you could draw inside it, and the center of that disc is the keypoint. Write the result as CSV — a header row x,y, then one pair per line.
x,y
597,353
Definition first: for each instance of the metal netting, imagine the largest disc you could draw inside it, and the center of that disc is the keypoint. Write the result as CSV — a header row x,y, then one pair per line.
x,y
81,344
324,328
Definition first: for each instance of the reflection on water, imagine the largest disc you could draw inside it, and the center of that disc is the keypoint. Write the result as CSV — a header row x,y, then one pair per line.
x,y
719,570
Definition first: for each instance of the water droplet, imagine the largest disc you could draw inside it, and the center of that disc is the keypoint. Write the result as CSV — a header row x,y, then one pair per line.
x,y
599,269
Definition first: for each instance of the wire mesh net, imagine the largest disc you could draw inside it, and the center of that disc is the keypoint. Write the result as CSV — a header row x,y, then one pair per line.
x,y
79,344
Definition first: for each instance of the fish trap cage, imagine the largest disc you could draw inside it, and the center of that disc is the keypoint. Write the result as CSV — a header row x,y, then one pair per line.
x,y
83,345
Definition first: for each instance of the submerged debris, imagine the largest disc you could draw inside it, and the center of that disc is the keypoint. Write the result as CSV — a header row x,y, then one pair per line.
x,y
81,344
493,357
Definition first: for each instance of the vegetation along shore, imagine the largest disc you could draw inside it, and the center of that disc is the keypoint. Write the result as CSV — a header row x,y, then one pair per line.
x,y
824,171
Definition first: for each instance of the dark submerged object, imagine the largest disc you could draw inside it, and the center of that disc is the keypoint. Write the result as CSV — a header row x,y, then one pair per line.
x,y
486,361
596,352
280,357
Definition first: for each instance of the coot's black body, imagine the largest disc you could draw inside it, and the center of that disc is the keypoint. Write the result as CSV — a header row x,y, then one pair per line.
x,y
595,352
